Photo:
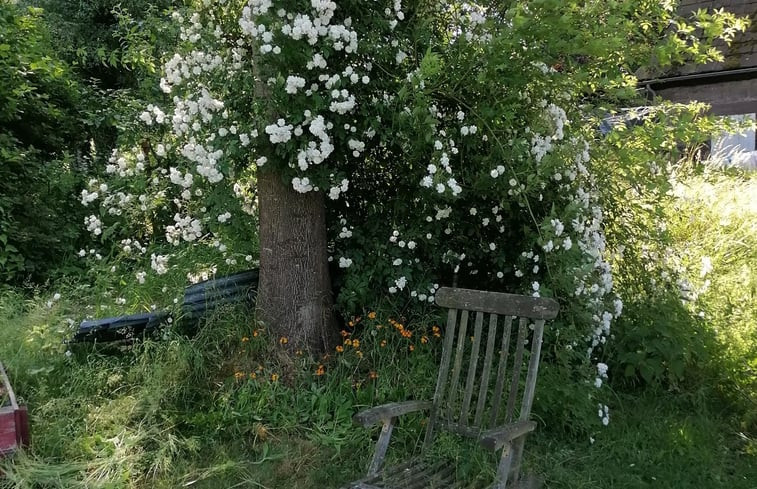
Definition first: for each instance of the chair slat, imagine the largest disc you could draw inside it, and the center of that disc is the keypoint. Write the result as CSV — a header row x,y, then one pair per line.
x,y
441,382
533,368
458,365
497,303
420,479
469,383
485,373
522,326
501,370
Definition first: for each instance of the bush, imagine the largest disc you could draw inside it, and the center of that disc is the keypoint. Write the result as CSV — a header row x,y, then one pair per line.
x,y
41,140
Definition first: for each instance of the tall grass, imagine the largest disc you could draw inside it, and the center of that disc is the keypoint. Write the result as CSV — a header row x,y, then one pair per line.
x,y
715,223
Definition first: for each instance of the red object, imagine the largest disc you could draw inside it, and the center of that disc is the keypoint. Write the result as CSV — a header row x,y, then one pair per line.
x,y
14,420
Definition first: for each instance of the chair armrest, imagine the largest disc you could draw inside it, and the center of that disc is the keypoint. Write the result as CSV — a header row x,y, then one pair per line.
x,y
496,438
385,412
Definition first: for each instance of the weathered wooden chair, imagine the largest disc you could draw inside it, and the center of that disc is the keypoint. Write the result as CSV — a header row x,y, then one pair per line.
x,y
493,405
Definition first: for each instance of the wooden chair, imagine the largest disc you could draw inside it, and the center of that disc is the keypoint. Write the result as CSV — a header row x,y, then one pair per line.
x,y
494,403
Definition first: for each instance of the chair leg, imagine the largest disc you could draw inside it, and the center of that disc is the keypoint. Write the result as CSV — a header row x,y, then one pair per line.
x,y
381,446
518,444
505,462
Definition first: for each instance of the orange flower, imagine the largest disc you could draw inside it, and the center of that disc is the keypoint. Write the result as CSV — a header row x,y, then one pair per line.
x,y
239,375
256,332
411,347
320,370
424,339
356,343
372,375
383,343
274,377
344,334
436,331
348,342
339,348
372,315
253,375
245,339
283,340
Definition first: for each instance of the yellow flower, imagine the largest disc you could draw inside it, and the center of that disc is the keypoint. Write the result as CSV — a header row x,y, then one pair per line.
x,y
355,343
383,343
283,340
359,354
372,315
436,331
245,339
412,347
339,348
372,374
253,375
239,375
274,377
424,339
320,370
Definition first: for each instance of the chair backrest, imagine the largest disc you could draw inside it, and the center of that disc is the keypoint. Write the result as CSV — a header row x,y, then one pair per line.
x,y
481,382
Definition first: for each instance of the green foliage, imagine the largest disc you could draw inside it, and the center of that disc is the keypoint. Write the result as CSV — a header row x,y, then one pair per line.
x,y
115,42
40,143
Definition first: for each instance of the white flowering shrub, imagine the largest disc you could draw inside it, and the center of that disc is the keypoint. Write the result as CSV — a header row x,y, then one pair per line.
x,y
455,142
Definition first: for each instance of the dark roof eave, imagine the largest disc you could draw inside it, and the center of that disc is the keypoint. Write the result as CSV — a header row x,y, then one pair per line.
x,y
701,78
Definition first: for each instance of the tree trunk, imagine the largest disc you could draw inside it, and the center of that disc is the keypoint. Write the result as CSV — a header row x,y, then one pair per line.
x,y
294,297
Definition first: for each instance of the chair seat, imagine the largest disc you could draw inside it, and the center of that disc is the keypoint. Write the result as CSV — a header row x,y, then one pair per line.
x,y
415,474
418,474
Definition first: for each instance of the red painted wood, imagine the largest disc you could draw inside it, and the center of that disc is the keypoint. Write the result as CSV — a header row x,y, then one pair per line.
x,y
22,426
14,419
8,441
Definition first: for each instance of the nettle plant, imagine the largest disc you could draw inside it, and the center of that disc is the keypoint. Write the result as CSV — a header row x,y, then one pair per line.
x,y
438,142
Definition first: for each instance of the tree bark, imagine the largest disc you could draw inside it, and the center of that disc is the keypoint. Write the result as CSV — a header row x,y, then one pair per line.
x,y
294,296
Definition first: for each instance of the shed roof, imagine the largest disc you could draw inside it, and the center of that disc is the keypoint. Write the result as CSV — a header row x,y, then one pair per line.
x,y
742,53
